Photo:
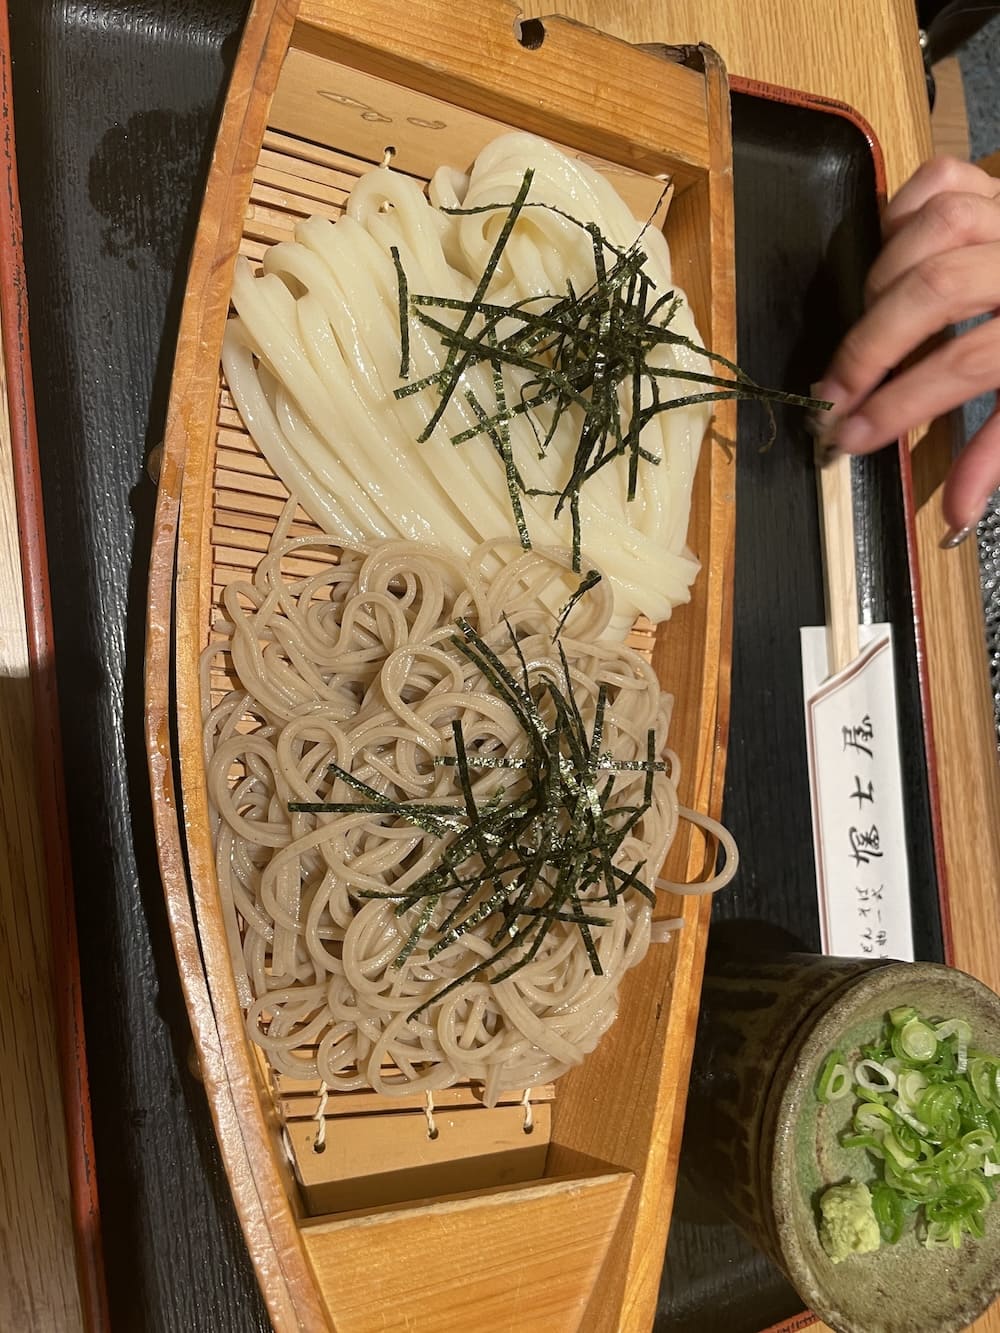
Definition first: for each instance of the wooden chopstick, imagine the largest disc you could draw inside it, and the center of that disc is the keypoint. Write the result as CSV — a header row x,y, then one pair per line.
x,y
840,576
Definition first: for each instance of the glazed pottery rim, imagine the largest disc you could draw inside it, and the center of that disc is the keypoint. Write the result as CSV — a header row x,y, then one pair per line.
x,y
825,1032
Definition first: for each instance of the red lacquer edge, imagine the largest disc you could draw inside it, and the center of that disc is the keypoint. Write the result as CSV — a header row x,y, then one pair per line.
x,y
51,786
793,97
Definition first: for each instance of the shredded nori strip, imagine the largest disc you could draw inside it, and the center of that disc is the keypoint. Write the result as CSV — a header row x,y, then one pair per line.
x,y
453,369
538,850
590,580
404,320
590,350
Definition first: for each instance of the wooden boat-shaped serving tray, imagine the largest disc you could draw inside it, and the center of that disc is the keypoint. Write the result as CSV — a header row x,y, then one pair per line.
x,y
575,1222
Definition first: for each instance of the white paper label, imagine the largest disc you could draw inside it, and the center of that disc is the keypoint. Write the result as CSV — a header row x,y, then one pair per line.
x,y
859,835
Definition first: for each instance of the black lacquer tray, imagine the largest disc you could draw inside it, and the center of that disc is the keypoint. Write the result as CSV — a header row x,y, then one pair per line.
x,y
116,103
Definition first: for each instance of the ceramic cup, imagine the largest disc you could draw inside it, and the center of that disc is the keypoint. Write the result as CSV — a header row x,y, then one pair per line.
x,y
763,1147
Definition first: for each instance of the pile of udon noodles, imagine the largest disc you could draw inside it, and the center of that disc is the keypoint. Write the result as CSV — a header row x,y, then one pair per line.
x,y
355,663
313,357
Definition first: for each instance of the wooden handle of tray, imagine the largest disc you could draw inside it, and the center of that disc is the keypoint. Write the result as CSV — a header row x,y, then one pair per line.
x,y
840,576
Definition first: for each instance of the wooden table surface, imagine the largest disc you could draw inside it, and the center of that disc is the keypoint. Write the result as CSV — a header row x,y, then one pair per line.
x,y
865,54
37,1276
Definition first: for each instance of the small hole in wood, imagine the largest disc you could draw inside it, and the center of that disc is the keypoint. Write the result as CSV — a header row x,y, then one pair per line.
x,y
154,461
530,33
319,1148
433,1133
529,1129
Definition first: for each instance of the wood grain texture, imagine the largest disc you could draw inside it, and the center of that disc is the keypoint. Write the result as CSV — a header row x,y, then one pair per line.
x,y
840,575
949,123
38,1284
634,1122
524,1259
363,1168
471,55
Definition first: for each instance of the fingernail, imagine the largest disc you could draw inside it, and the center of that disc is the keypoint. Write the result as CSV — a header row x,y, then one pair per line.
x,y
852,434
956,536
828,391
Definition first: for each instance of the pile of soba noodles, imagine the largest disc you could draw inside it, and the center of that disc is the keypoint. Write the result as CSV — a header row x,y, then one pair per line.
x,y
356,666
364,744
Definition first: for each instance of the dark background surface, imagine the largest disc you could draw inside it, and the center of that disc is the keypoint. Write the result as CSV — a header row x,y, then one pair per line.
x,y
116,103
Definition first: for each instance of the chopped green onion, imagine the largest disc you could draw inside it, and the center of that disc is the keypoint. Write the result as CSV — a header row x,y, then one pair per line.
x,y
887,1206
979,1141
943,1235
982,1080
910,1085
927,1112
870,1141
893,1148
902,1014
869,1095
834,1079
917,1041
956,1027
871,1117
938,1108
874,1076
909,1119
907,1139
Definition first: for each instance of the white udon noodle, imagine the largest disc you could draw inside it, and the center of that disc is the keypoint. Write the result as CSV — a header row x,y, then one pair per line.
x,y
313,355
352,664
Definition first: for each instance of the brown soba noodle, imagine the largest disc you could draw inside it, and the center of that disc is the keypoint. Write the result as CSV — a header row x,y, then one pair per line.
x,y
347,657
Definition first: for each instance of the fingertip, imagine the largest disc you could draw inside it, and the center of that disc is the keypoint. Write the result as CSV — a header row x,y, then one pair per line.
x,y
973,478
961,515
855,435
956,536
940,174
830,390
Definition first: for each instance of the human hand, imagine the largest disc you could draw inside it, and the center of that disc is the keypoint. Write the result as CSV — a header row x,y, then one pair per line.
x,y
940,264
